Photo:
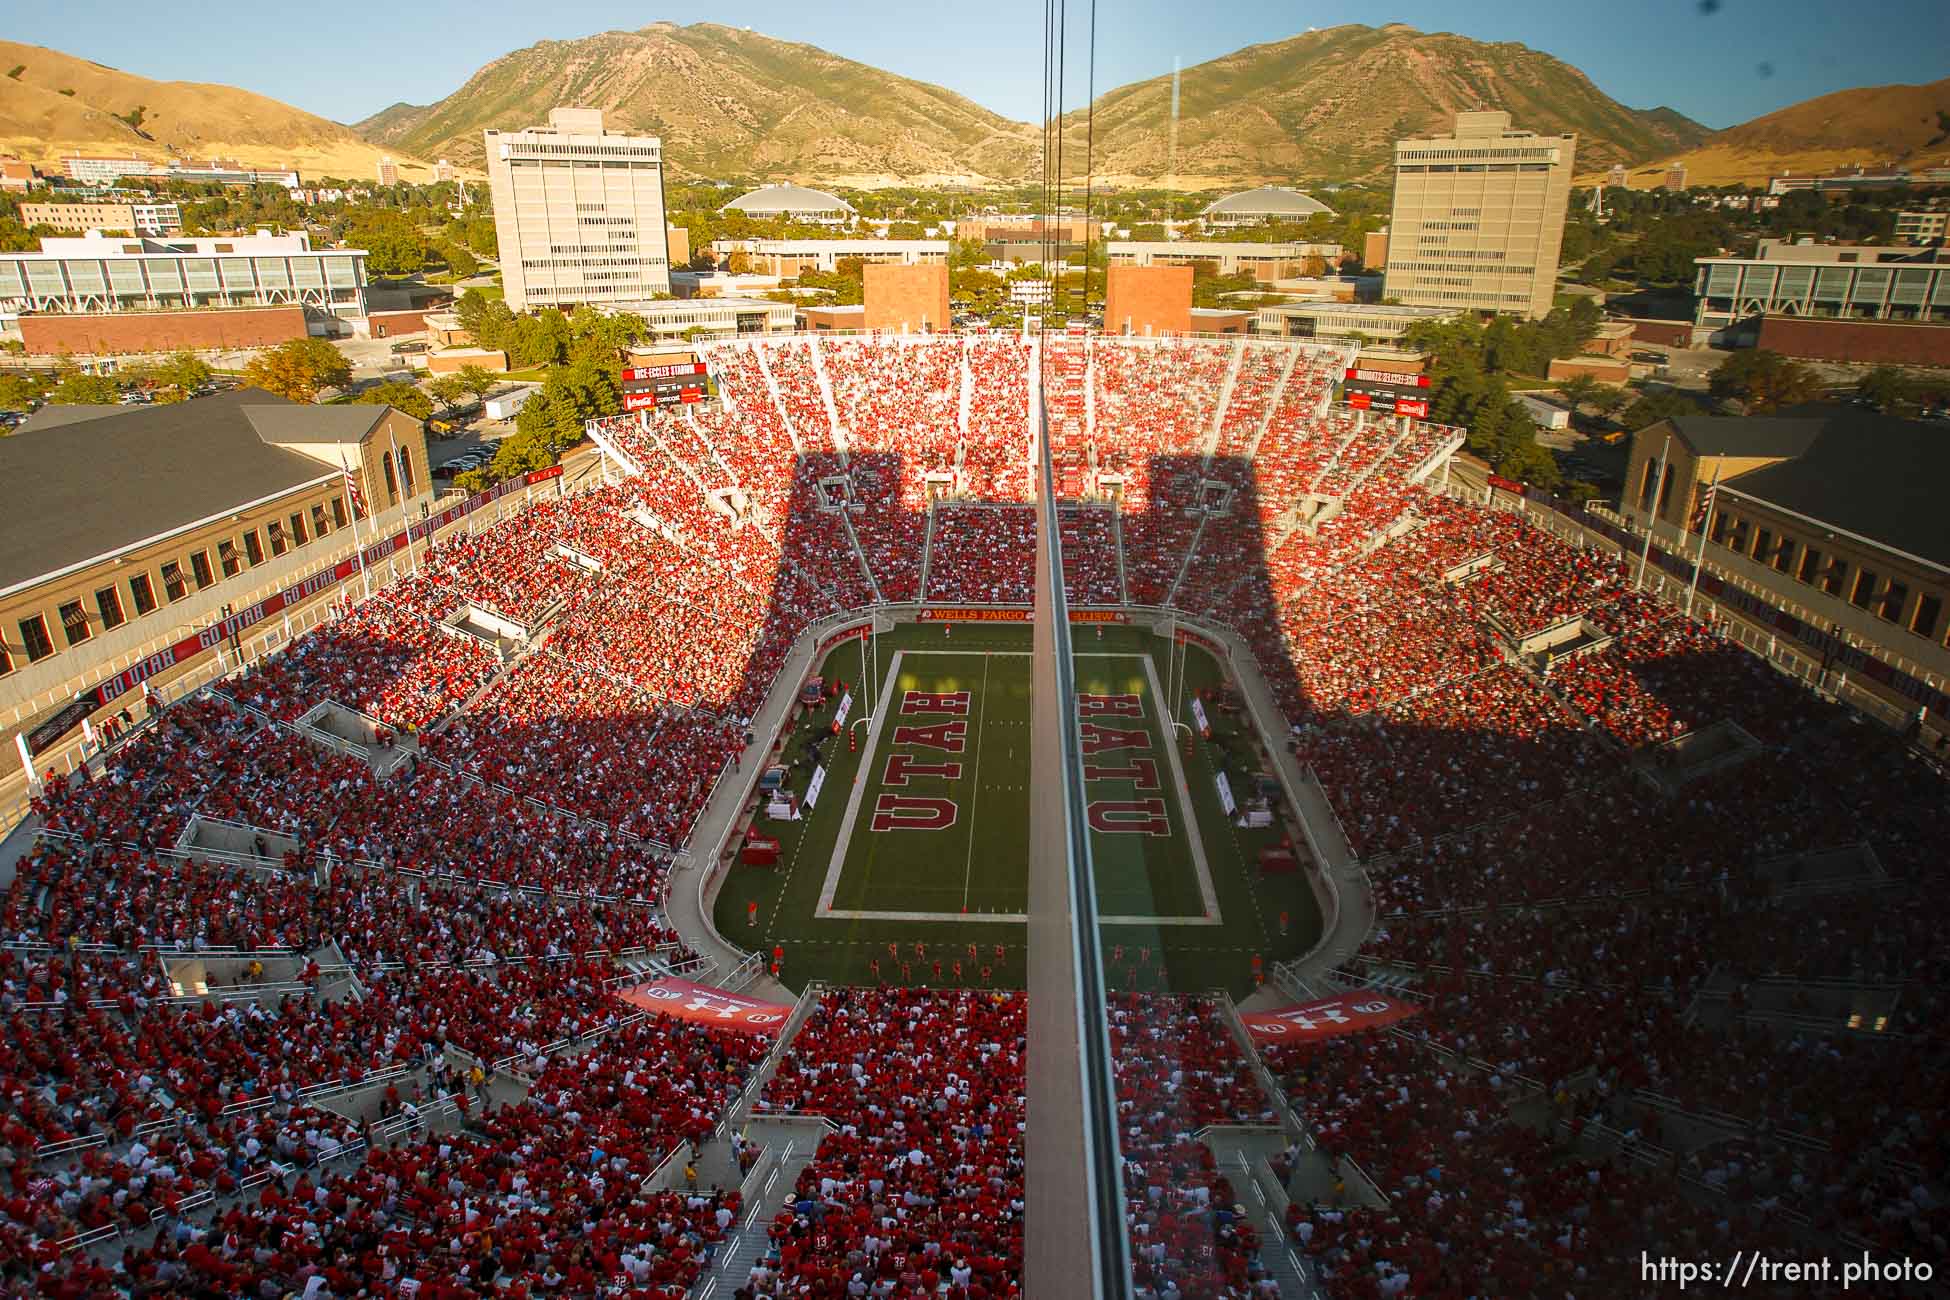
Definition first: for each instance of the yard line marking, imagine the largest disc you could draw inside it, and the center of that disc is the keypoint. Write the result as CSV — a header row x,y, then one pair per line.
x,y
975,793
861,775
1206,893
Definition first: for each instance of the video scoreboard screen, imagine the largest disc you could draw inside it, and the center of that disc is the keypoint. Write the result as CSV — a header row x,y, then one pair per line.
x,y
1386,393
677,384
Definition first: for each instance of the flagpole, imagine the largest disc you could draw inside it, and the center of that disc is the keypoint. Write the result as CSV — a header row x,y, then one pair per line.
x,y
352,504
405,495
1652,519
1705,526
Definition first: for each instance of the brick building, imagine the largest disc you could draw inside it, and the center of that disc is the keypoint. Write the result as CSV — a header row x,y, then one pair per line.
x,y
73,334
906,299
1147,299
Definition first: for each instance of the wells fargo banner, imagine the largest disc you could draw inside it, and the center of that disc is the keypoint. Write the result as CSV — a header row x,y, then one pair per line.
x,y
971,614
1011,614
704,1005
1309,1022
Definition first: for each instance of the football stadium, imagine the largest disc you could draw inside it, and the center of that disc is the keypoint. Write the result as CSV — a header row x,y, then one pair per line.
x,y
635,895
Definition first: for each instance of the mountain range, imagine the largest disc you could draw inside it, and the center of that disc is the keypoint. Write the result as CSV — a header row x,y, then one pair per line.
x,y
53,105
1873,124
733,104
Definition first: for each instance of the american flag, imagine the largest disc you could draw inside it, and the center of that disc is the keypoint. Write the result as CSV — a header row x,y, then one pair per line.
x,y
1705,510
352,492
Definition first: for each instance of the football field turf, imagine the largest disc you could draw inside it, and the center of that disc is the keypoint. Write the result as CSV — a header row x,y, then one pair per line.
x,y
911,867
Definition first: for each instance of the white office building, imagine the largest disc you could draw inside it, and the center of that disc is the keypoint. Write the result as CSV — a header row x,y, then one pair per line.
x,y
102,273
579,212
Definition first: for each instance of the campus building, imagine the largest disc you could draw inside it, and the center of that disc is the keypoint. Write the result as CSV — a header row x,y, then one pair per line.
x,y
1819,513
1478,219
1264,262
578,212
1258,207
1374,322
129,525
786,258
793,203
156,219
102,277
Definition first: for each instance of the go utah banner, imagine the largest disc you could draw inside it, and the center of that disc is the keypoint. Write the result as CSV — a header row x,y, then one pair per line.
x,y
1309,1022
703,1005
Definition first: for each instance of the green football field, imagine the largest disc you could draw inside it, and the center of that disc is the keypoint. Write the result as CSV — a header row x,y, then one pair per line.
x,y
911,866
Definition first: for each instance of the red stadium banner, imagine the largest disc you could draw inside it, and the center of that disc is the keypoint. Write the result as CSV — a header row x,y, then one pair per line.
x,y
849,634
703,1005
970,614
1309,1022
1012,614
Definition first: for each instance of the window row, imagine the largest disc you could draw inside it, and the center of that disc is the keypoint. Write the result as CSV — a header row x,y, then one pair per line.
x,y
142,593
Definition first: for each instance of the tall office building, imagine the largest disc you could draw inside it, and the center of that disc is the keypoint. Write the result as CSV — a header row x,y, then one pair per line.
x,y
578,212
1479,217
388,172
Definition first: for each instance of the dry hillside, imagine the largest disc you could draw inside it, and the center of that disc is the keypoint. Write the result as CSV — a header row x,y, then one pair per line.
x,y
54,104
727,103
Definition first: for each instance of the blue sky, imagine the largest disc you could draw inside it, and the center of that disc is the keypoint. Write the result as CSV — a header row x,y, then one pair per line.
x,y
1745,58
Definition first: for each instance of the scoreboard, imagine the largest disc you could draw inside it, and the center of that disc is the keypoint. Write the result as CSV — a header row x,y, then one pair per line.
x,y
1386,393
677,384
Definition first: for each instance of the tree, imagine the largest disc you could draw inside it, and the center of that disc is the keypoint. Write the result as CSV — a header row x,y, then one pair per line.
x,y
1578,390
1886,388
904,230
394,246
446,390
177,375
297,370
76,388
481,240
1764,381
1608,399
459,261
18,392
402,397
1650,408
477,380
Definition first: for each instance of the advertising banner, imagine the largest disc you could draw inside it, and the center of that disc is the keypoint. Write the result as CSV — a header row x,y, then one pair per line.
x,y
972,614
708,1006
1309,1022
812,791
1226,800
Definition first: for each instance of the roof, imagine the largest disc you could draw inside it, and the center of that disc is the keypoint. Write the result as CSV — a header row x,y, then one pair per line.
x,y
1860,473
348,422
788,198
53,417
72,490
1267,200
1747,435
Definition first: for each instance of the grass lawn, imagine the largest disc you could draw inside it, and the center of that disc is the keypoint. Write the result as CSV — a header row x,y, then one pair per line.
x,y
953,888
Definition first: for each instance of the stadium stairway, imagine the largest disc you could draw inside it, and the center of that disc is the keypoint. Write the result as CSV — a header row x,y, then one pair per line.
x,y
1273,402
1209,444
826,393
927,550
1244,1156
778,403
1117,545
786,1148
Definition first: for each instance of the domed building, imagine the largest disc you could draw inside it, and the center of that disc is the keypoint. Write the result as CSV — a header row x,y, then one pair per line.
x,y
795,203
1267,203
